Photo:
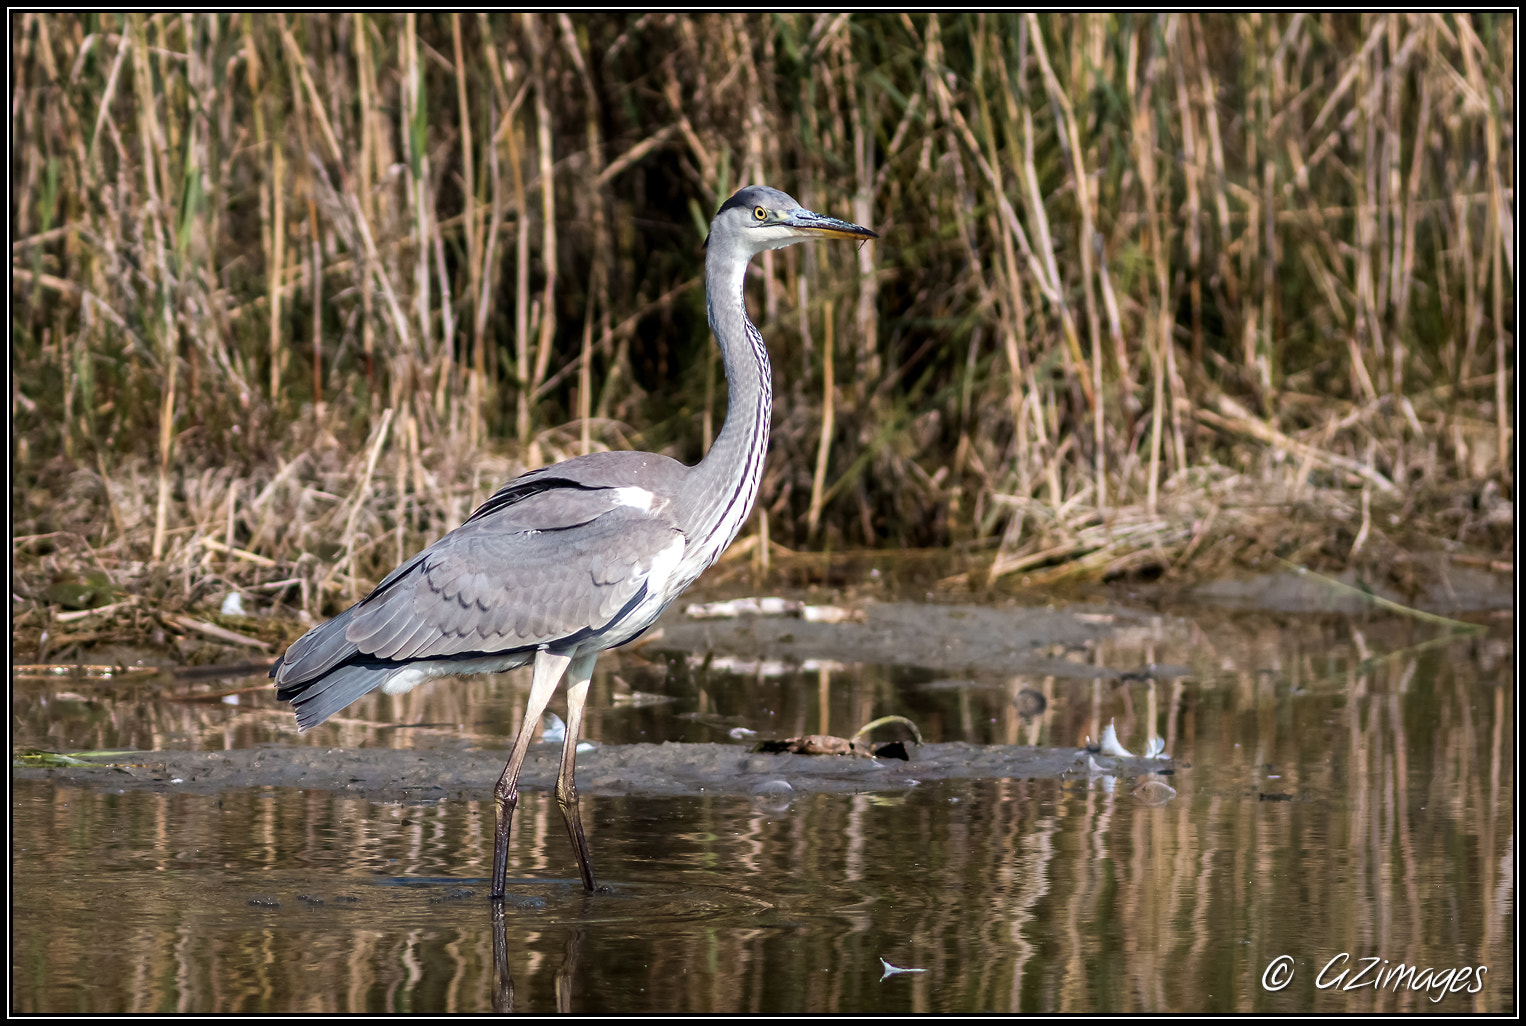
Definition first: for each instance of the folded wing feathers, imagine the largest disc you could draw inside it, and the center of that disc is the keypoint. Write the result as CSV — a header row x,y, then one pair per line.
x,y
554,554
316,652
318,701
540,569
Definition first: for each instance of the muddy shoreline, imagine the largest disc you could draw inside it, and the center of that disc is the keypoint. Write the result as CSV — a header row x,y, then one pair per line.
x,y
946,638
667,769
951,639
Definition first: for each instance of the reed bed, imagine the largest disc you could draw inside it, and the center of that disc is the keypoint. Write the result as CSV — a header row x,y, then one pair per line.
x,y
1154,293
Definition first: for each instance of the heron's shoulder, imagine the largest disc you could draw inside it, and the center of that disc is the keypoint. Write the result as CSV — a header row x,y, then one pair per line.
x,y
579,489
617,469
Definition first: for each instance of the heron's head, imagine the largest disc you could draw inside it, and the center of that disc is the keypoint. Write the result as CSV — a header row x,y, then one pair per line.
x,y
759,218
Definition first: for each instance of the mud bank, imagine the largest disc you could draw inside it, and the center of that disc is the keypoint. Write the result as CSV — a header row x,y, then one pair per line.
x,y
946,638
397,775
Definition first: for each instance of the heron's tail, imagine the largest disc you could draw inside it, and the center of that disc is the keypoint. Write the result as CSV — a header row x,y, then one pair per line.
x,y
318,674
317,700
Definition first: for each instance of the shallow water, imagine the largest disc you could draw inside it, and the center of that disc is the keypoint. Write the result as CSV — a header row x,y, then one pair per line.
x,y
1339,787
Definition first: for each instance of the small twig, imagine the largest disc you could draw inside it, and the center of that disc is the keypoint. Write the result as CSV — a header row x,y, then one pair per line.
x,y
1383,603
358,498
217,546
80,614
212,630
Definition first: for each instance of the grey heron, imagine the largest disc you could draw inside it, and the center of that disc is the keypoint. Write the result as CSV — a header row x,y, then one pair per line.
x,y
566,561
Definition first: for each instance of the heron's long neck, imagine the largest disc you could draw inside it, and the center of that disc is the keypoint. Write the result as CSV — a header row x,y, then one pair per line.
x,y
726,481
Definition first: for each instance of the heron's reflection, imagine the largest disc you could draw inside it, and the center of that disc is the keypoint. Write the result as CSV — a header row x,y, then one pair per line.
x,y
566,976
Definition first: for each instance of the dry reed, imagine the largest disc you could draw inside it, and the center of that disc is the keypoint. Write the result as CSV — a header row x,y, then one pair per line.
x,y
292,293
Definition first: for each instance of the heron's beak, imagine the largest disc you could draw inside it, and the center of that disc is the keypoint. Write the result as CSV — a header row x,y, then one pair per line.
x,y
811,225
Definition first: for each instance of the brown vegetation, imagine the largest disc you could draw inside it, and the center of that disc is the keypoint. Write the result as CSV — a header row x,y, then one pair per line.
x,y
291,294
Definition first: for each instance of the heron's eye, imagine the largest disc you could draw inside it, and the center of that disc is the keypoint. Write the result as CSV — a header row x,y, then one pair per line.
x,y
760,213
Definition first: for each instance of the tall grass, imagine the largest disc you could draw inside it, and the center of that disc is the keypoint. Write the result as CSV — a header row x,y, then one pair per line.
x,y
304,288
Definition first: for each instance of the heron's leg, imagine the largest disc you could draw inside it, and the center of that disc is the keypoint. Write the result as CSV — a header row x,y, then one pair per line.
x,y
549,667
578,676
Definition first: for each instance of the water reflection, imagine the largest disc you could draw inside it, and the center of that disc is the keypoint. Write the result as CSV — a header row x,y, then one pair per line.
x,y
1329,799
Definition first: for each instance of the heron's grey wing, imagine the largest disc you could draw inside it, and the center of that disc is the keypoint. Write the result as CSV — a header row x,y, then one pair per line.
x,y
554,566
325,646
314,653
453,565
